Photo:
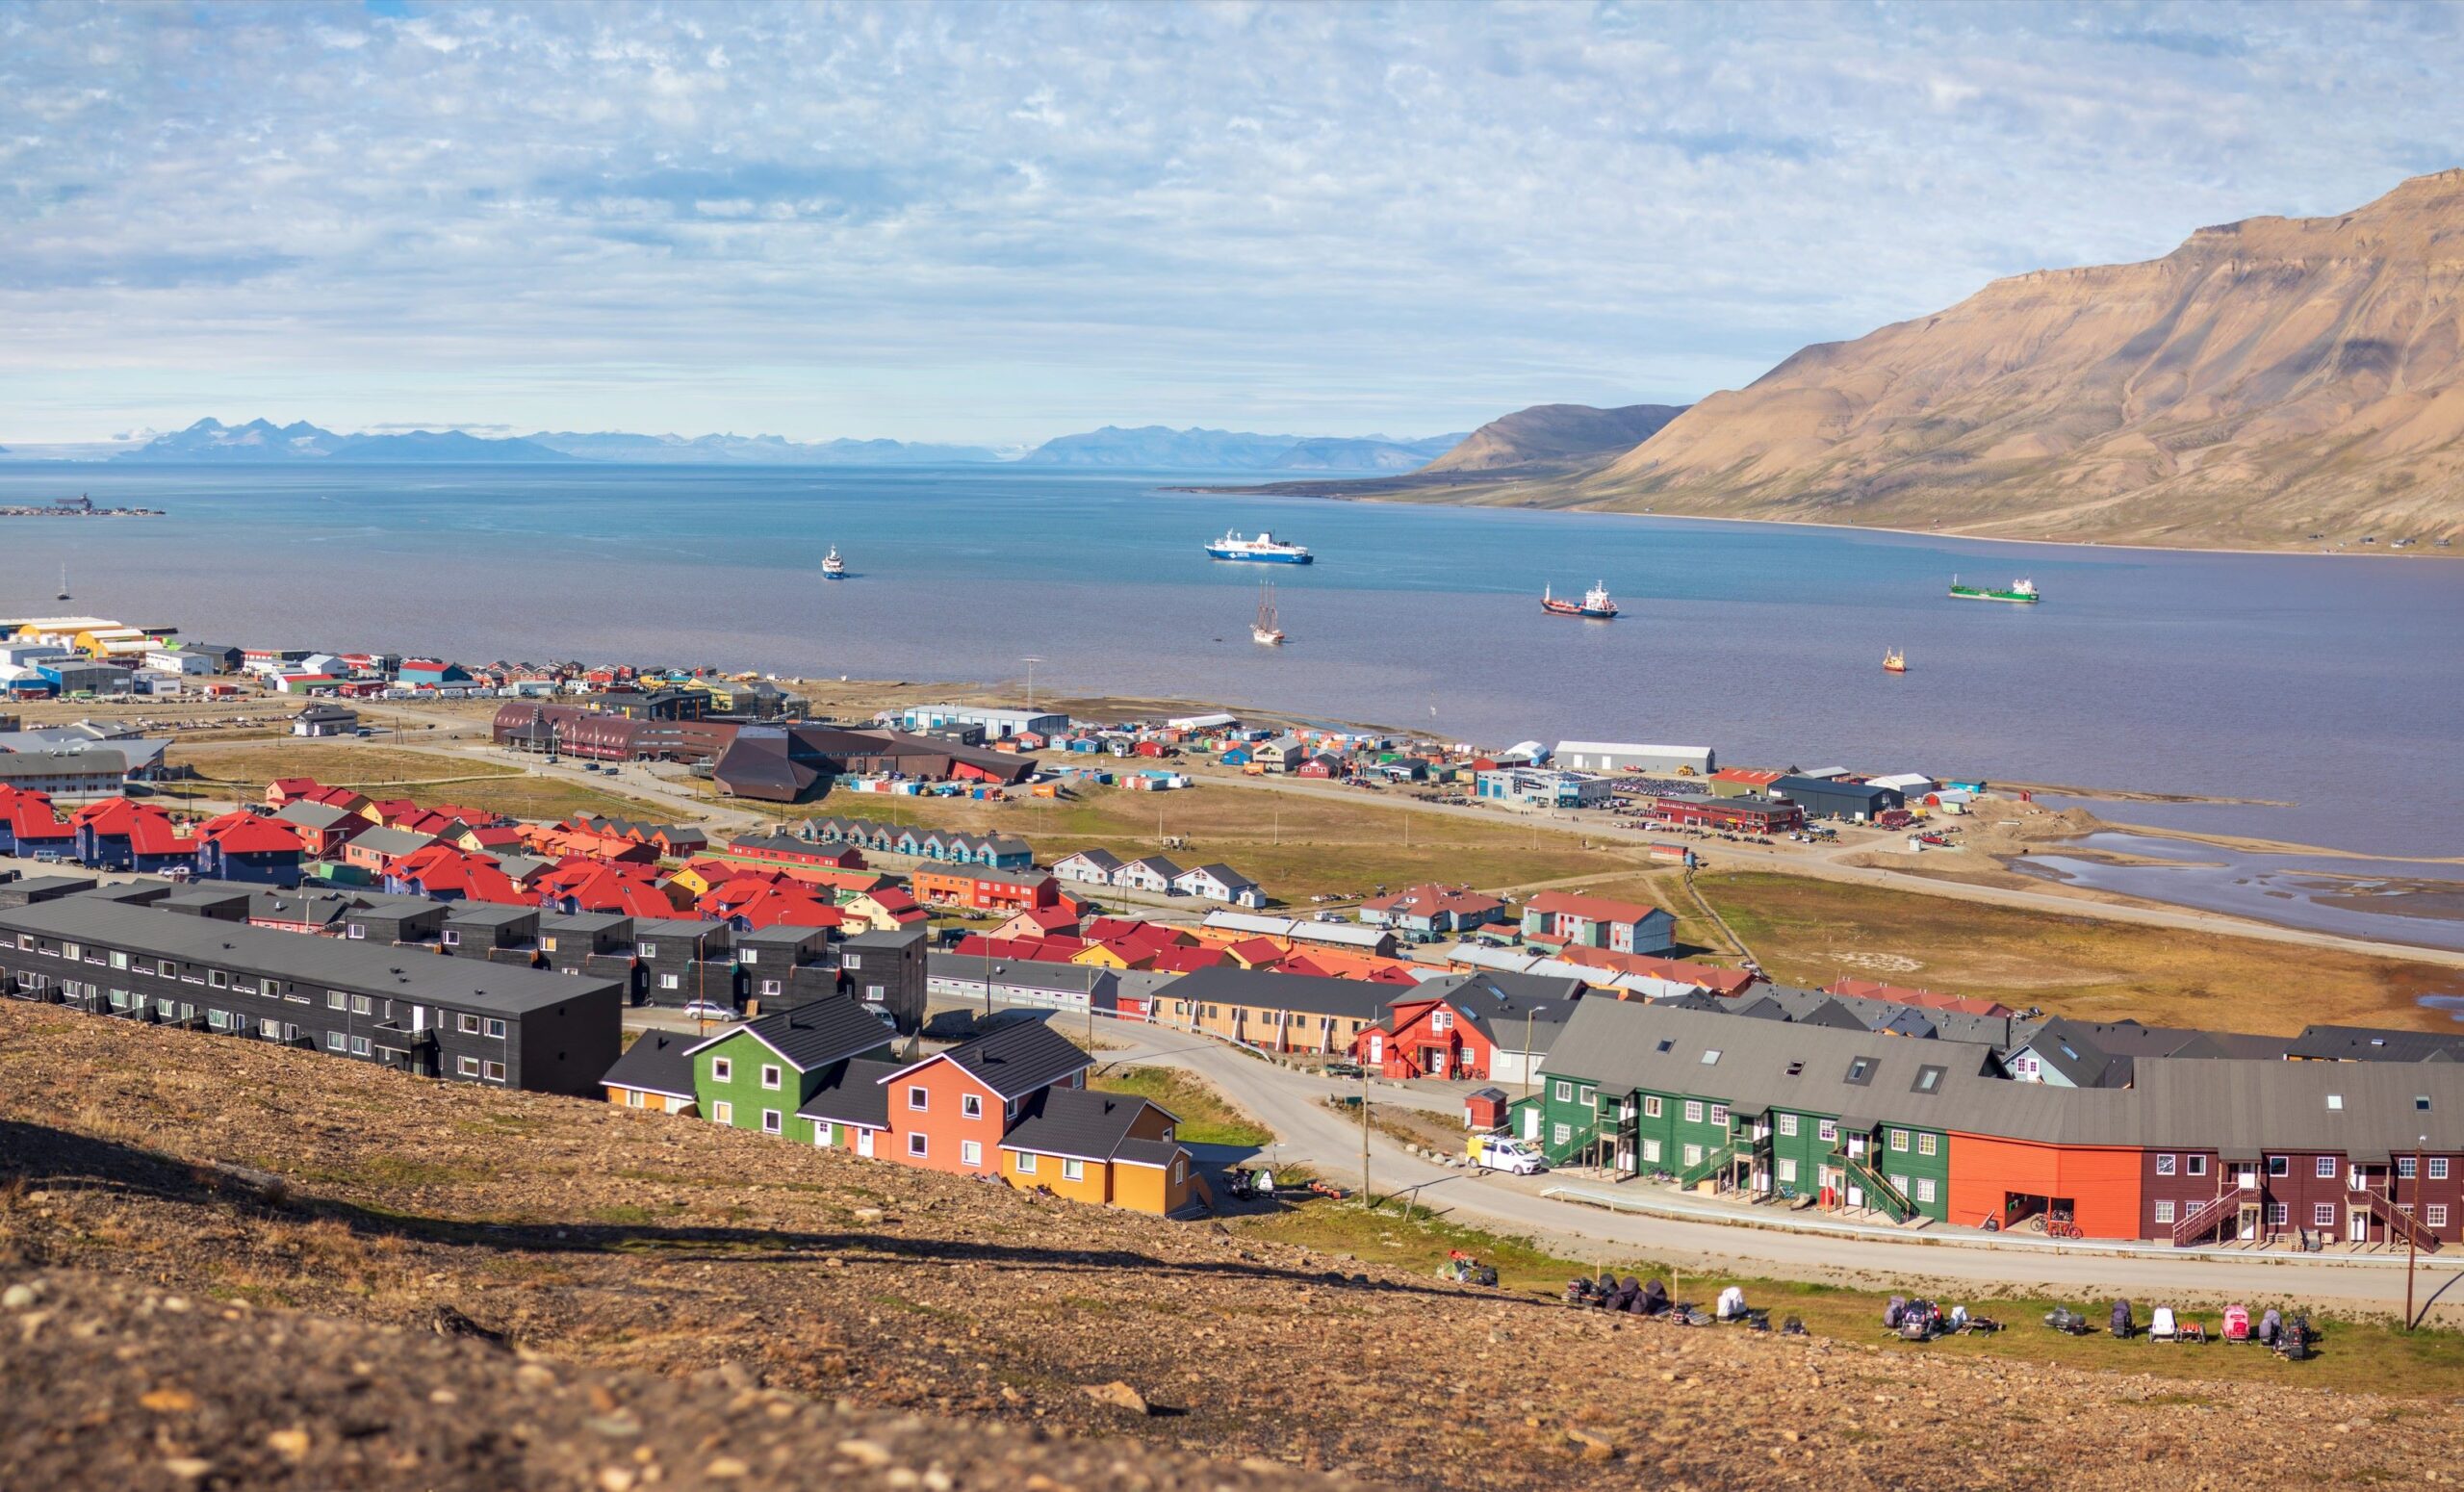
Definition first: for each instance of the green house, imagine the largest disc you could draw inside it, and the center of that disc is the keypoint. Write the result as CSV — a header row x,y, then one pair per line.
x,y
758,1075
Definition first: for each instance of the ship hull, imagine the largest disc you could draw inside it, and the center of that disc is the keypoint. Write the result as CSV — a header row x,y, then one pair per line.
x,y
2009,598
1569,608
1257,559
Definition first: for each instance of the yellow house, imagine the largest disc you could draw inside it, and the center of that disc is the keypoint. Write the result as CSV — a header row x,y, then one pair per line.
x,y
1114,1149
696,880
1099,956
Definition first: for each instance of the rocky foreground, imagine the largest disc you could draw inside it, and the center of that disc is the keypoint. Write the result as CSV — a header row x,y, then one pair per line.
x,y
755,1309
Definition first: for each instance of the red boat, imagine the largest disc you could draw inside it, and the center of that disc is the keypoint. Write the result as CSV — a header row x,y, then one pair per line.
x,y
1595,604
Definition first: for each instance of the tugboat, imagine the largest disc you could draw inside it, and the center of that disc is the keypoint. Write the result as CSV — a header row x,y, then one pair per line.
x,y
1894,661
833,568
1595,604
2021,592
1266,549
1266,631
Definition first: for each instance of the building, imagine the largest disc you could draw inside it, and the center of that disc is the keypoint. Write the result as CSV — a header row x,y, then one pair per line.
x,y
1432,910
88,772
1739,782
760,1074
983,891
1219,883
1624,759
1738,814
1112,1150
1534,788
656,1072
1571,919
951,1110
997,725
1837,798
1372,941
1013,981
1152,874
1279,1013
437,1018
325,719
1091,868
1455,1026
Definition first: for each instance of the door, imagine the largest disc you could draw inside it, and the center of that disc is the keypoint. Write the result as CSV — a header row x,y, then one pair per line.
x,y
2357,1224
1532,1125
864,1144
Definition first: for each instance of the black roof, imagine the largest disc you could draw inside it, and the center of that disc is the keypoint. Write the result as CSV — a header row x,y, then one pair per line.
x,y
1498,1004
852,1093
1311,993
478,914
815,1034
1017,1058
2362,1043
1081,1122
660,1062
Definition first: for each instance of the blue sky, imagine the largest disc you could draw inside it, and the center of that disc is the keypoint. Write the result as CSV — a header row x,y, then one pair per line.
x,y
1003,222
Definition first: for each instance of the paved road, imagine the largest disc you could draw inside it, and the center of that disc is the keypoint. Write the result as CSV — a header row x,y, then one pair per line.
x,y
1291,1105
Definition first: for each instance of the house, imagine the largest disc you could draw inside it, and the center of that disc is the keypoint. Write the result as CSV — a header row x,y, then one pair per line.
x,y
1455,1026
1039,922
951,1110
984,891
1152,874
758,1075
969,975
325,719
888,909
1431,910
31,827
1281,754
248,847
1219,883
656,1072
1280,1013
92,772
1533,787
1598,922
375,849
116,833
1114,1149
1320,765
1092,868
431,671
1233,926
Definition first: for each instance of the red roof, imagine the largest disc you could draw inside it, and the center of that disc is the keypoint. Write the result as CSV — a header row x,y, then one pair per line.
x,y
1595,908
1751,777
1256,952
1183,961
248,834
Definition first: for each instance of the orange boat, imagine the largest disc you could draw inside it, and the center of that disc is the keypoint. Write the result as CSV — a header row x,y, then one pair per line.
x,y
1894,661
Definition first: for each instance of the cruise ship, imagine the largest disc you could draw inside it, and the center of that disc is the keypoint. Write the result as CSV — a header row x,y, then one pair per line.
x,y
1265,548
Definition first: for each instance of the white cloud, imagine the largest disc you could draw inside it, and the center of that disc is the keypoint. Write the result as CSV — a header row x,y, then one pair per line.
x,y
997,222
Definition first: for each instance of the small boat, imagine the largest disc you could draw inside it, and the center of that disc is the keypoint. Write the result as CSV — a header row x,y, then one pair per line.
x,y
833,568
1265,548
64,582
1894,661
1595,604
2021,592
1266,631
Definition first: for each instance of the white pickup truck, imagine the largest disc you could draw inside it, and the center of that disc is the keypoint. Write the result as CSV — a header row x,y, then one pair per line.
x,y
1504,1152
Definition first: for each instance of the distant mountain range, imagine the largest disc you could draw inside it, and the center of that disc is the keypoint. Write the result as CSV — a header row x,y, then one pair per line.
x,y
1156,447
264,441
756,450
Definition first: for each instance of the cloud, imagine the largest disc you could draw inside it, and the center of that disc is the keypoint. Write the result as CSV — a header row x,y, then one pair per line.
x,y
994,223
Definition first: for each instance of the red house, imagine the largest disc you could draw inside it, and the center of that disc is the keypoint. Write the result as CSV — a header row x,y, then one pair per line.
x,y
1452,1028
949,1111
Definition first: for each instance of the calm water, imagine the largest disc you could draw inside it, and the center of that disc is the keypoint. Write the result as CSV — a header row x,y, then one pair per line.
x,y
2336,684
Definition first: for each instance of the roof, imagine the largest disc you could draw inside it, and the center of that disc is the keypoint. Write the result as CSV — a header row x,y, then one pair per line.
x,y
1225,875
1501,1006
2363,1044
1083,1123
98,760
1015,1060
327,963
660,1062
853,1095
1356,1000
812,1034
314,815
1595,908
1819,784
2078,1059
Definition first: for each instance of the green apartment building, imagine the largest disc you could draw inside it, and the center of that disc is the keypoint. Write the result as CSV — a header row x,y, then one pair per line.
x,y
758,1075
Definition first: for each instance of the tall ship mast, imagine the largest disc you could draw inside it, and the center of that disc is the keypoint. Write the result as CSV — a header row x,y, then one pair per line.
x,y
1267,630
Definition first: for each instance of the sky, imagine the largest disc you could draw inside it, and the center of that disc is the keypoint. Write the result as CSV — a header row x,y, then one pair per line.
x,y
998,223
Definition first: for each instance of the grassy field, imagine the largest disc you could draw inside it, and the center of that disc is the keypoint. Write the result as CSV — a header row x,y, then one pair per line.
x,y
1811,932
2368,1355
386,771
1206,1115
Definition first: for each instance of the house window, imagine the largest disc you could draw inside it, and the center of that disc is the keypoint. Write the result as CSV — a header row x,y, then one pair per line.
x,y
2405,1166
495,1071
2194,1165
2438,1167
1026,1163
1899,1139
2325,1167
751,956
722,1070
2164,1168
1565,1092
1073,1170
335,1041
972,1106
1925,1189
1788,1127
1588,1098
646,950
334,1000
770,1076
1928,1080
217,979
1440,1020
1720,1114
915,1146
971,1153
468,1066
1650,1152
450,937
1786,1169
634,1098
468,1025
1693,1111
1652,1106
359,1048
2279,1165
2322,1214
1693,1156
360,1006
1929,1145
2435,1215
1827,1131
2164,1213
1561,1133
771,1123
357,930
917,1098
769,986
1710,1056
722,1112
671,981
2279,1214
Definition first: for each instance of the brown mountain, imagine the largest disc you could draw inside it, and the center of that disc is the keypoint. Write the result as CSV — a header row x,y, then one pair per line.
x,y
2269,380
1554,432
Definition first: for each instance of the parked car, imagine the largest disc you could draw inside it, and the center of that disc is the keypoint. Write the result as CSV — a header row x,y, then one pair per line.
x,y
708,1010
1343,1070
1504,1152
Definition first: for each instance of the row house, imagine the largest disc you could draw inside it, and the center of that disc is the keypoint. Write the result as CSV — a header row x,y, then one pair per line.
x,y
1575,920
1459,1025
1272,1011
984,891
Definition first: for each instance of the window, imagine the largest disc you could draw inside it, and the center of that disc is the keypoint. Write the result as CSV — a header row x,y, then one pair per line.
x,y
915,1146
468,1066
971,1153
1561,1133
2405,1166
1786,1169
635,1099
722,1070
769,986
450,937
671,981
2279,1214
1828,1132
494,1072
1440,1020
919,1099
468,1025
1899,1139
722,1112
2322,1214
1925,1189
2335,1103
972,1106
1929,1080
334,1040
2164,1168
1693,1156
1720,1114
2435,1215
1026,1163
357,930
1652,1106
1710,1056
2164,1213
1795,1069
1788,1127
1929,1145
2325,1168
2279,1165
1693,1111
334,1000
771,1123
2194,1165
1588,1097
853,960
1650,1152
1565,1091
2421,1102
1073,1170
359,1048
646,950
750,955
1667,1045
770,1076
2438,1167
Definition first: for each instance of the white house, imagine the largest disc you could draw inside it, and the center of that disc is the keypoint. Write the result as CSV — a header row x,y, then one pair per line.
x,y
1154,874
1093,868
172,661
323,719
1219,883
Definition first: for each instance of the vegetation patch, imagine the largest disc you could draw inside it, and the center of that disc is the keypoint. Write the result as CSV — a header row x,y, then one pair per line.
x,y
1206,1115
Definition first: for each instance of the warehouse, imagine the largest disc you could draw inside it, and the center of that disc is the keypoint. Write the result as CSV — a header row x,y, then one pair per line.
x,y
997,725
455,1018
1739,814
1532,788
1831,798
1625,757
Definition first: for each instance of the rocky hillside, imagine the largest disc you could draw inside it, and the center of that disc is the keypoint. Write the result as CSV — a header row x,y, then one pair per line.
x,y
610,1250
2268,381
1554,434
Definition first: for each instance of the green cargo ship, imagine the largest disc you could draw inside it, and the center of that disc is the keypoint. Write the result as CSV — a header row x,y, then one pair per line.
x,y
2022,592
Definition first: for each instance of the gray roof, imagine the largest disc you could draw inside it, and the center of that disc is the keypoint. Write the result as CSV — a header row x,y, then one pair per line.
x,y
1228,985
1016,1059
1499,1011
325,963
2362,1043
1080,1122
815,1034
481,913
392,842
852,1093
94,760
314,816
658,1062
2081,1062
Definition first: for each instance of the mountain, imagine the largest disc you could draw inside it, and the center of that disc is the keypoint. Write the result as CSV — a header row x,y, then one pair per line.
x,y
1159,445
2269,380
756,449
1361,453
258,440
442,445
1554,432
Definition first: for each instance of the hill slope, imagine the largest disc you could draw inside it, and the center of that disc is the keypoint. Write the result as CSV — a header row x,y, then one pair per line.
x,y
1554,432
613,1244
2270,380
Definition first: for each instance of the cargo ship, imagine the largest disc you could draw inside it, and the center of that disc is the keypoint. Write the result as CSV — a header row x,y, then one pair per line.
x,y
2021,592
1595,604
1266,549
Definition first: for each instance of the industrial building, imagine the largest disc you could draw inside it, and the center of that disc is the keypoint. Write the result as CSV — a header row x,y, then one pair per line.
x,y
997,725
1532,787
1836,798
1625,757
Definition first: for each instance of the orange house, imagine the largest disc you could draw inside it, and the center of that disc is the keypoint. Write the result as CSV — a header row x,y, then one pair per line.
x,y
2101,1184
1112,1150
984,891
949,1111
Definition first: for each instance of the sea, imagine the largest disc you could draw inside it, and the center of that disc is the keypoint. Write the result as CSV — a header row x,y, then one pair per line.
x,y
2325,694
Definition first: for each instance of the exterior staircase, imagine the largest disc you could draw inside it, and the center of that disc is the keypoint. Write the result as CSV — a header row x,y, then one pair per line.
x,y
1714,1161
2400,1223
1580,1139
1879,1192
2206,1218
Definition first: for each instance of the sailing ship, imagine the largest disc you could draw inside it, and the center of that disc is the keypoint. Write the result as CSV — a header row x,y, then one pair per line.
x,y
1265,548
1894,661
64,582
1267,631
1595,604
833,568
2021,592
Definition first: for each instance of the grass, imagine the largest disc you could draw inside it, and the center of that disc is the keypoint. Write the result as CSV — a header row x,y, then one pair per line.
x,y
1811,932
1206,1115
394,772
2356,1355
334,762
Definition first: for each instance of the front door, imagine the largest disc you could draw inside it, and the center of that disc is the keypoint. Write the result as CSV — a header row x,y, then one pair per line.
x,y
2357,1224
864,1144
1433,1061
1531,1123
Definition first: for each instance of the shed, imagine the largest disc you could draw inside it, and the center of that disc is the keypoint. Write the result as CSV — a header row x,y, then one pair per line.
x,y
1484,1108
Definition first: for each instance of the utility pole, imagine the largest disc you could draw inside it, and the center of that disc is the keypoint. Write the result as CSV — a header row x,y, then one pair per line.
x,y
1365,1200
2411,1252
1031,660
1526,1053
